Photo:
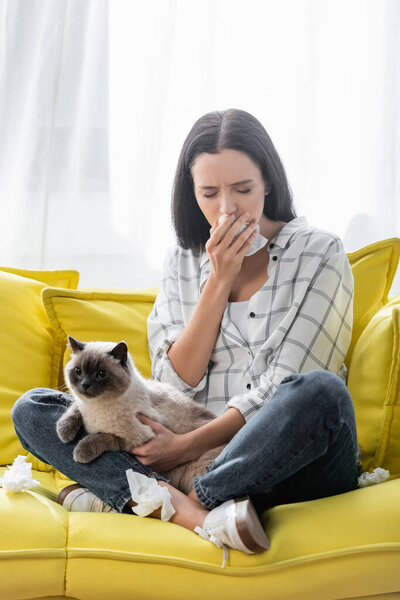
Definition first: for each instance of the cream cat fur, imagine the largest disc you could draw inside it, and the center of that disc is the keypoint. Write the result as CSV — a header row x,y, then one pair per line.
x,y
109,391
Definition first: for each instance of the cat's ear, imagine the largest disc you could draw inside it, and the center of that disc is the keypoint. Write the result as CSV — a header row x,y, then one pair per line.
x,y
76,345
120,352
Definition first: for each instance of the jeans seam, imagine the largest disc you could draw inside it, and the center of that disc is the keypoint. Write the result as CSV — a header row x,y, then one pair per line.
x,y
202,495
122,499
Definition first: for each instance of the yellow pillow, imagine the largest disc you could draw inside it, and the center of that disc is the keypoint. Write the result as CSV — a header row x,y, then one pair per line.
x,y
373,268
101,315
26,347
374,385
63,278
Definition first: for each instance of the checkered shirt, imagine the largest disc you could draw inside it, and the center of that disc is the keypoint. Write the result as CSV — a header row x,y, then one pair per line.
x,y
300,319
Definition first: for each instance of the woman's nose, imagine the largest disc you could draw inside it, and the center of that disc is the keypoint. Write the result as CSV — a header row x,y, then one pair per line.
x,y
227,206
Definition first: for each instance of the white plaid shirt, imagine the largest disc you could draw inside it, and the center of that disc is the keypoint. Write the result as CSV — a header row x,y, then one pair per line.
x,y
301,319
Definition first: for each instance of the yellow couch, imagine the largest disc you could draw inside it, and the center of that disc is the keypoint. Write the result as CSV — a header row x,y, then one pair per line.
x,y
344,546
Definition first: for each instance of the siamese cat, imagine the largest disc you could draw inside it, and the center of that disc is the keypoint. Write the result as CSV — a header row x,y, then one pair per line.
x,y
108,391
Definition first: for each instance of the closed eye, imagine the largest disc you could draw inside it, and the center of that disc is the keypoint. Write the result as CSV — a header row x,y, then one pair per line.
x,y
240,192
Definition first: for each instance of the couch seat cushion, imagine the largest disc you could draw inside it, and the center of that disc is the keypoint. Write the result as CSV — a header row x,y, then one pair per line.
x,y
337,544
32,542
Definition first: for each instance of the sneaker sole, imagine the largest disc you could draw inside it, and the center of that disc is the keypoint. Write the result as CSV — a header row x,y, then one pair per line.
x,y
249,527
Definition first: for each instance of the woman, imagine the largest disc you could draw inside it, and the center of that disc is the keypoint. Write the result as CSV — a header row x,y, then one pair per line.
x,y
255,326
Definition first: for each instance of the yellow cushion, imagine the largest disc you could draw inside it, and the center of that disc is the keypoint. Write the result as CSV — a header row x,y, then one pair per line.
x,y
101,315
26,346
114,556
374,385
355,535
62,278
373,268
32,545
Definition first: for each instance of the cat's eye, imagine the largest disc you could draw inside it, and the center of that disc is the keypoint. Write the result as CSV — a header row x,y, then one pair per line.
x,y
77,370
101,373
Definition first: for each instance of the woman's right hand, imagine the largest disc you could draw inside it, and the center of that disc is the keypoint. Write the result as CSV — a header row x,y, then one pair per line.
x,y
226,257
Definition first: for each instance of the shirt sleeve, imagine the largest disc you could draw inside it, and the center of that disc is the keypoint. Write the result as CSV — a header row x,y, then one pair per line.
x,y
319,335
165,324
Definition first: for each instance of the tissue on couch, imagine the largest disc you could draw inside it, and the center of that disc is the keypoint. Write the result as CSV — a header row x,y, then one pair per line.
x,y
19,476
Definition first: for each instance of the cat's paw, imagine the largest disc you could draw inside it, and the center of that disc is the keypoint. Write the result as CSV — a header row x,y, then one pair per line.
x,y
85,452
66,430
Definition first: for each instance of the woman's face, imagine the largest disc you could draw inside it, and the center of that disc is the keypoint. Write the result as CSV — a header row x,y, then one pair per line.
x,y
228,183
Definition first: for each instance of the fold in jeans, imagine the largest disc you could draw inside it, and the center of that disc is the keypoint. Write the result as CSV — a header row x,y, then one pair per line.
x,y
301,445
35,415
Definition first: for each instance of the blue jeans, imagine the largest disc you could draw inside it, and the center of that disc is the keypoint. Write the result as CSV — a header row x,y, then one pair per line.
x,y
300,446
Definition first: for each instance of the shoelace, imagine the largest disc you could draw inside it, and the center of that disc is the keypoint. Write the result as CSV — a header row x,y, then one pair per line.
x,y
211,538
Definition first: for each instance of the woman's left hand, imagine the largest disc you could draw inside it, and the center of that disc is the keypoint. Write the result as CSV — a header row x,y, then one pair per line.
x,y
165,451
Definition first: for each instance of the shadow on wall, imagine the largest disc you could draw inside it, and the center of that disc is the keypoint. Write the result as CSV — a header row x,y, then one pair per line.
x,y
364,229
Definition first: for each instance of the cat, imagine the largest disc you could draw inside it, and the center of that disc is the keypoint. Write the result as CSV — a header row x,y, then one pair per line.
x,y
108,392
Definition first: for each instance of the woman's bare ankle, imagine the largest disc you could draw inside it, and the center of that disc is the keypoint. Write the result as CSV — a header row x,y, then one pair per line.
x,y
188,511
192,495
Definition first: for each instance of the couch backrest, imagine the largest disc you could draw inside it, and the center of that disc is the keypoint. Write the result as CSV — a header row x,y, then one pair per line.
x,y
38,309
26,346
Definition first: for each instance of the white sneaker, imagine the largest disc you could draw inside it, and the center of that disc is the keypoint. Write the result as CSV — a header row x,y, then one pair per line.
x,y
235,523
75,497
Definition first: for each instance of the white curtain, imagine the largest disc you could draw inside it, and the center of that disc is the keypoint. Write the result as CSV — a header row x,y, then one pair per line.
x,y
97,97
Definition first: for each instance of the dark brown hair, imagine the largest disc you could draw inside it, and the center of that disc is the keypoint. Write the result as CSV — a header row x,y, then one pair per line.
x,y
212,133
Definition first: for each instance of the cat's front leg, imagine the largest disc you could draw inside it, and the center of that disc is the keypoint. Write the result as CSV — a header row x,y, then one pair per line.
x,y
69,424
94,444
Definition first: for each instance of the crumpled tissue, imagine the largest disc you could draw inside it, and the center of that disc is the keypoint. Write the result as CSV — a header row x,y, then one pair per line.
x,y
378,475
258,243
149,495
19,476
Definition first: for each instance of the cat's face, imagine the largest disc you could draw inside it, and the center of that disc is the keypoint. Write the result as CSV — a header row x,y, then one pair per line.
x,y
97,369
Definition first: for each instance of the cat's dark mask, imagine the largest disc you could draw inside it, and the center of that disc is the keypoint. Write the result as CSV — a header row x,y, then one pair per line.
x,y
93,372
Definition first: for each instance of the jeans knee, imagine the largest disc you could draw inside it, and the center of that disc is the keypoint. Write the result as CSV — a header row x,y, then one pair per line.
x,y
324,381
321,391
20,409
331,394
21,412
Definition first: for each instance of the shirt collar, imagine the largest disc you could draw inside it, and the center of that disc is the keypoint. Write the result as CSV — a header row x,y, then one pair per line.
x,y
283,236
281,239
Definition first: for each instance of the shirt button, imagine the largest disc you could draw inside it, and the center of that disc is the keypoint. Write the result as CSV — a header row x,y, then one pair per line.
x,y
271,245
248,386
252,315
274,258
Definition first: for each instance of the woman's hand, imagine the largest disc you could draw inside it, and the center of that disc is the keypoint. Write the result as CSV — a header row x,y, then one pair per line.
x,y
165,451
226,257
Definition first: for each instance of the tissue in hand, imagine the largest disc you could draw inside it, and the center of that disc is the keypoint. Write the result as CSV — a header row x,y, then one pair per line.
x,y
148,495
19,476
258,243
